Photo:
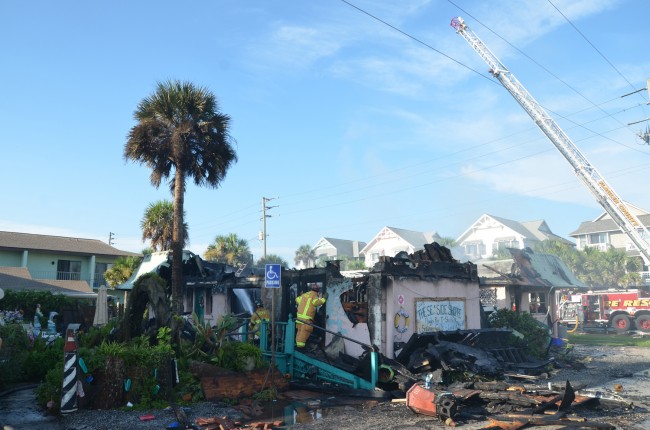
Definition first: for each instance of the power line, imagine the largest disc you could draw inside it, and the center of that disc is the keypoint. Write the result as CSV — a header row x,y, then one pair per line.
x,y
417,40
536,62
591,44
320,197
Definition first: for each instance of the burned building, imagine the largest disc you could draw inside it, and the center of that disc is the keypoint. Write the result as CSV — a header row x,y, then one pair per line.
x,y
383,307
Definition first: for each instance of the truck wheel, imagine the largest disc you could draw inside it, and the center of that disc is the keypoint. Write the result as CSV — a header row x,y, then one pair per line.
x,y
621,323
643,323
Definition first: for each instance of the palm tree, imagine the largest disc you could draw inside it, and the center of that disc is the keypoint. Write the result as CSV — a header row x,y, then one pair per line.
x,y
181,134
305,255
158,225
228,249
271,259
121,270
448,242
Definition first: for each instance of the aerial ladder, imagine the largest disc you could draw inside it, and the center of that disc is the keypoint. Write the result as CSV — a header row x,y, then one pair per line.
x,y
603,192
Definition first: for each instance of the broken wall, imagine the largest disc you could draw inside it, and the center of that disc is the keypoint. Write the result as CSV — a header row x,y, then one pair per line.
x,y
408,305
338,321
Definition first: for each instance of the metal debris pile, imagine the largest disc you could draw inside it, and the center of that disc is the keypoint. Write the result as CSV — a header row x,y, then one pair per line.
x,y
224,423
508,407
484,352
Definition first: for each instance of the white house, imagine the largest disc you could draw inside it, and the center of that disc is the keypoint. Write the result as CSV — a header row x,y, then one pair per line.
x,y
603,233
490,233
390,241
336,249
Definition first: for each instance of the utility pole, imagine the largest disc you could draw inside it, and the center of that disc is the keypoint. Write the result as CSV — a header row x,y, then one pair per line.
x,y
111,235
274,292
264,217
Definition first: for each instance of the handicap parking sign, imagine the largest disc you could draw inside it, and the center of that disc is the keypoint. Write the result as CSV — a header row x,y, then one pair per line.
x,y
273,273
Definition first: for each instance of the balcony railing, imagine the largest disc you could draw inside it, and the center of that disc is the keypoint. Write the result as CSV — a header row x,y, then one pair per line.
x,y
98,280
599,246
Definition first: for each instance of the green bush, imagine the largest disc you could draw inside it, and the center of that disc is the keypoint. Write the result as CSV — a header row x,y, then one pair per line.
x,y
536,335
26,359
51,389
27,300
41,358
232,355
13,353
95,335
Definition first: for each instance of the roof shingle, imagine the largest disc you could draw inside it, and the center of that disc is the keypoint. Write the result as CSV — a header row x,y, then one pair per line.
x,y
39,242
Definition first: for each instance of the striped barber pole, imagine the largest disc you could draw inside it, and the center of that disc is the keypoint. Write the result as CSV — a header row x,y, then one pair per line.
x,y
69,394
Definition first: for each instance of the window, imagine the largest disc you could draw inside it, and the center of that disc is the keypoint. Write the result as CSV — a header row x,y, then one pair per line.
x,y
502,244
68,270
208,301
582,242
537,303
488,297
596,238
474,249
100,269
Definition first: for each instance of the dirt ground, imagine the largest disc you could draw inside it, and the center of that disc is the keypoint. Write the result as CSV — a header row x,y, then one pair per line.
x,y
602,365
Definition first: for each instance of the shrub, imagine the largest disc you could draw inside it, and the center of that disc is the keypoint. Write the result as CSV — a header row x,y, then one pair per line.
x,y
13,353
51,389
41,358
536,335
232,355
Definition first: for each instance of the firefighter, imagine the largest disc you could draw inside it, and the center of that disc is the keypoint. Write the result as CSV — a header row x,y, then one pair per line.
x,y
261,313
307,304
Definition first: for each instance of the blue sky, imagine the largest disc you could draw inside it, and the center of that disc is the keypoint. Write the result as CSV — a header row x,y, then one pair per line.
x,y
348,124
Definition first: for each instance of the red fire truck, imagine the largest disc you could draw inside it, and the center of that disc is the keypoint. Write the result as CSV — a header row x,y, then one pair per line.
x,y
621,310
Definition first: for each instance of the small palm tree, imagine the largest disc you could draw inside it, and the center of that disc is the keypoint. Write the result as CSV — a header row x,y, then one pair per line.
x,y
121,270
181,134
228,249
448,242
305,255
271,259
158,225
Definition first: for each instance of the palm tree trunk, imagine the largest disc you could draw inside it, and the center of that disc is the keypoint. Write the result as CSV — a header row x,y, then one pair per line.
x,y
177,243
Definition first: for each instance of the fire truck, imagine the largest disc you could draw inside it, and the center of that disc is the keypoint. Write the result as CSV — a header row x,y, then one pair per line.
x,y
621,310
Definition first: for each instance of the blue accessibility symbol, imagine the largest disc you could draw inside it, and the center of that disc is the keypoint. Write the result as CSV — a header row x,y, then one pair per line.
x,y
272,275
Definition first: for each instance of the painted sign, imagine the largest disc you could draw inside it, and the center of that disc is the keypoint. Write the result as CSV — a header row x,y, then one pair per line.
x,y
439,315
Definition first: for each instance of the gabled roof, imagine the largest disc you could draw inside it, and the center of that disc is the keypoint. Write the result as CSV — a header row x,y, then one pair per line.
x,y
529,269
59,244
342,246
541,231
635,210
537,269
604,225
538,229
416,239
19,278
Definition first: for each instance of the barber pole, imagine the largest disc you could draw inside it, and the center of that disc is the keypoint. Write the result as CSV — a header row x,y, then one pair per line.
x,y
69,393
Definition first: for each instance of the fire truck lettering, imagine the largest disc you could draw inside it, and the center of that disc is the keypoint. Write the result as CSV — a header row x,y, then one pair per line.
x,y
644,302
614,303
628,302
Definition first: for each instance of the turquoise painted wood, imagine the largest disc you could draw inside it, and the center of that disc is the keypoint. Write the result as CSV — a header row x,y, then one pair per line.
x,y
301,366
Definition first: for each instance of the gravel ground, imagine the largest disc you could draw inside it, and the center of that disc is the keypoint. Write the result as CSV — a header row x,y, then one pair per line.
x,y
113,419
601,365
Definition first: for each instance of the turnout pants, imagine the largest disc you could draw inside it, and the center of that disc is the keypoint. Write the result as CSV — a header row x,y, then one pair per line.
x,y
303,331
